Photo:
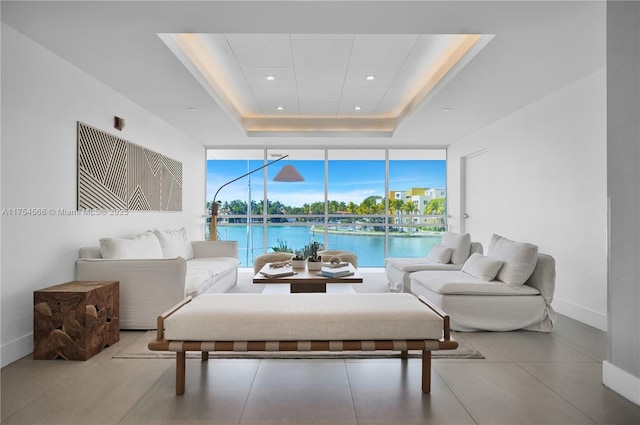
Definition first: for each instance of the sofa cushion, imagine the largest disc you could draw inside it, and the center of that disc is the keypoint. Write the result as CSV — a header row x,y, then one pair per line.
x,y
482,267
212,265
417,264
460,283
519,259
440,254
201,271
460,244
303,317
91,252
175,243
143,246
196,283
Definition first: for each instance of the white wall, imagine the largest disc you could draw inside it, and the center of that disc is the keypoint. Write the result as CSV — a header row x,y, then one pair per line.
x,y
547,184
621,371
43,97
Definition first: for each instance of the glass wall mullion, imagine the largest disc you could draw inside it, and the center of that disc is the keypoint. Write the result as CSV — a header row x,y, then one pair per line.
x,y
386,203
265,206
326,199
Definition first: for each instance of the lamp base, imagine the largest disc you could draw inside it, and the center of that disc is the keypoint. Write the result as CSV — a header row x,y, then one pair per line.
x,y
213,231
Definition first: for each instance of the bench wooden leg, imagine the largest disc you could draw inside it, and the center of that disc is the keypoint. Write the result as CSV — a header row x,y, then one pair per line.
x,y
426,372
205,356
180,371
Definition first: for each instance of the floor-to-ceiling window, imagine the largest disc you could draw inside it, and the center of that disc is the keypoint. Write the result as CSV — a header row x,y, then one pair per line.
x,y
374,202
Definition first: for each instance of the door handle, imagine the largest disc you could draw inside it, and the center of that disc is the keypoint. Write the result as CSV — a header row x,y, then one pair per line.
x,y
465,215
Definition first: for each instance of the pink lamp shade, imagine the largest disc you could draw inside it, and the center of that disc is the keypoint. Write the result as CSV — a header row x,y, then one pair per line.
x,y
288,173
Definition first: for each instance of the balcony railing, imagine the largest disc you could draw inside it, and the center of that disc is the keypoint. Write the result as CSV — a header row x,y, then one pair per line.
x,y
371,237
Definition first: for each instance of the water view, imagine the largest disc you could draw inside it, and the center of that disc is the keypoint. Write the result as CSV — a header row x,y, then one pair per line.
x,y
369,248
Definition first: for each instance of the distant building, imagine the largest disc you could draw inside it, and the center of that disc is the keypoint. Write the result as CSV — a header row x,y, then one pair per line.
x,y
420,197
395,194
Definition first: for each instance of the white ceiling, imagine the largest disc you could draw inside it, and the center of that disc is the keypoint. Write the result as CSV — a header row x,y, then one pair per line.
x,y
291,83
322,74
538,48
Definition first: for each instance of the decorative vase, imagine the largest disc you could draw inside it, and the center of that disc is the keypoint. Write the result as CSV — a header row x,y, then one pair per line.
x,y
298,264
314,265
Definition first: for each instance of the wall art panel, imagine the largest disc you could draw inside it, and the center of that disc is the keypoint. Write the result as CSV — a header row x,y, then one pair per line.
x,y
114,173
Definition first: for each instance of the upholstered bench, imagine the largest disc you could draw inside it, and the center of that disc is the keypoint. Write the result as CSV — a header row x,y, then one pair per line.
x,y
303,322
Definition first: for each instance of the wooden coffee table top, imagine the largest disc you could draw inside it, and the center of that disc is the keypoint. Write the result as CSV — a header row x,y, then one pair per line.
x,y
304,276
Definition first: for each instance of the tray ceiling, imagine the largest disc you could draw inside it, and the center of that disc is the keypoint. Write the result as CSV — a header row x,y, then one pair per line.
x,y
337,83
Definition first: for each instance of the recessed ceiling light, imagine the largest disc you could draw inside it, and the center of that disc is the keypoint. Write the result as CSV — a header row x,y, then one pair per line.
x,y
357,108
371,77
191,109
280,108
446,109
270,77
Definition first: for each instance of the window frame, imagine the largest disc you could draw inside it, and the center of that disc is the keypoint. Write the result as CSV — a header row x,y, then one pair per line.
x,y
409,221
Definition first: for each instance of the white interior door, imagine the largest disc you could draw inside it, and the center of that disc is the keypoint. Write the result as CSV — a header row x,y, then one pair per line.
x,y
475,205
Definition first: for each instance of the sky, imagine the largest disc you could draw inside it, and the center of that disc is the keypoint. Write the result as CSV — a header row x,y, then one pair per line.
x,y
349,180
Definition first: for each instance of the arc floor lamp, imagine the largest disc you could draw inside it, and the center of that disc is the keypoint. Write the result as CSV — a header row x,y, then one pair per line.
x,y
288,173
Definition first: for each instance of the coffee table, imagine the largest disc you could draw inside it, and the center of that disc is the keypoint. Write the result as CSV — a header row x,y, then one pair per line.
x,y
304,281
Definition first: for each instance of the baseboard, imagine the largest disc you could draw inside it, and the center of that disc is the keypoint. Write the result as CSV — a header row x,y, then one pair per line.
x,y
584,315
621,382
16,349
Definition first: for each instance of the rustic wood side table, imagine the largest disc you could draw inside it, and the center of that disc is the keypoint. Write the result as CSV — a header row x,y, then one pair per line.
x,y
75,320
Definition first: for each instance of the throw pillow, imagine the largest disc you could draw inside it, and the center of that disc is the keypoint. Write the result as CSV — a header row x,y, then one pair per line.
x,y
460,244
440,254
485,268
143,246
175,243
519,258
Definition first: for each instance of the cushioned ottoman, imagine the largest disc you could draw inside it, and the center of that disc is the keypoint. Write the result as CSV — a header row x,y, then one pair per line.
x,y
302,322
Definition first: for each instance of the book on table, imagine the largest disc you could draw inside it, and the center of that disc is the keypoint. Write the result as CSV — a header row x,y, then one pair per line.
x,y
277,271
336,272
335,265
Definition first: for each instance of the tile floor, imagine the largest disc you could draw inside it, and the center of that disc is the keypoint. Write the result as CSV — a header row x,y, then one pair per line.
x,y
526,378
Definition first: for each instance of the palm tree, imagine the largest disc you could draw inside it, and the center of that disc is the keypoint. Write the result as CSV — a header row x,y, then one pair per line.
x,y
379,208
410,208
395,207
333,207
435,206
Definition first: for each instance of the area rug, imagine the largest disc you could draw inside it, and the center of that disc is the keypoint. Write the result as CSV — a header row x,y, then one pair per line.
x,y
137,349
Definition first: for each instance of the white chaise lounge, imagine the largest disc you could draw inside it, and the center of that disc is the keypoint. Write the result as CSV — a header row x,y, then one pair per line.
x,y
303,322
509,289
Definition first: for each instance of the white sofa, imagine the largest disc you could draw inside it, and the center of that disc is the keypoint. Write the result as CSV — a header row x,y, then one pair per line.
x,y
449,255
509,289
155,276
